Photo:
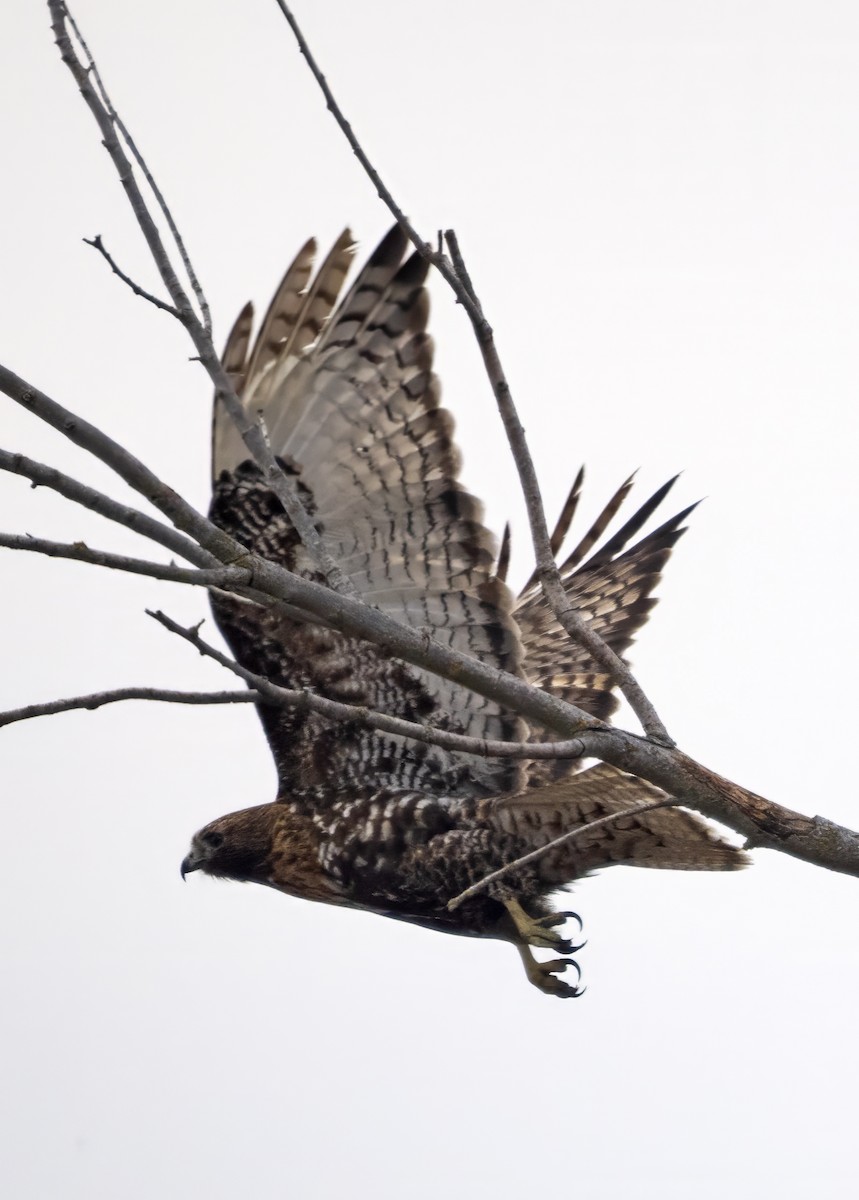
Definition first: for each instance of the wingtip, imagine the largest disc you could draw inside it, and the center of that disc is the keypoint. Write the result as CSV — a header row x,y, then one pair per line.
x,y
503,564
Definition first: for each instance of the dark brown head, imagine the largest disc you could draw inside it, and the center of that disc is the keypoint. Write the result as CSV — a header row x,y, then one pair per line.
x,y
237,846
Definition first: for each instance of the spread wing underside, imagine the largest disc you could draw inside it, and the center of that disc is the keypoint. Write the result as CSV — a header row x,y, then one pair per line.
x,y
351,407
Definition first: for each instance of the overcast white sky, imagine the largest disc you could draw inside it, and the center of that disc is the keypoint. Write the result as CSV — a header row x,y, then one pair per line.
x,y
659,202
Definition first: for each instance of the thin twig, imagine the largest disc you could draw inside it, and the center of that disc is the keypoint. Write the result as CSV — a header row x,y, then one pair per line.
x,y
147,174
97,699
221,577
353,714
459,265
456,275
42,475
97,244
334,108
563,840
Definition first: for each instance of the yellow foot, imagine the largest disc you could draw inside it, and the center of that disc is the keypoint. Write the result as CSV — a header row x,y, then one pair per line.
x,y
539,931
544,975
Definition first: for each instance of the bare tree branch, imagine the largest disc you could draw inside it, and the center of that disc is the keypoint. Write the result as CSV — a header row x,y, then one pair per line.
x,y
457,276
275,478
762,822
222,577
459,266
563,840
214,544
130,469
147,174
314,600
97,244
250,431
97,699
354,714
382,191
812,839
42,475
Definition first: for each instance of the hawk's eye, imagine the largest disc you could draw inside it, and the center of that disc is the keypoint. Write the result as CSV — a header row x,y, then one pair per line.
x,y
213,838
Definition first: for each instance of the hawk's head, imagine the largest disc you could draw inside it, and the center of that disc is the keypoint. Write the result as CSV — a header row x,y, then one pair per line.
x,y
237,846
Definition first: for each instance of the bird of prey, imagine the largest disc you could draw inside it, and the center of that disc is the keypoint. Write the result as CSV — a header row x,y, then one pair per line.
x,y
365,819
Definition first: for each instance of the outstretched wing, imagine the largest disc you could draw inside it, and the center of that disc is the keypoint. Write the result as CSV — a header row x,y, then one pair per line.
x,y
613,588
351,408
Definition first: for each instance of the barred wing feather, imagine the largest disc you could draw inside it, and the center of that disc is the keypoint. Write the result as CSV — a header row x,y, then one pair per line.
x,y
351,407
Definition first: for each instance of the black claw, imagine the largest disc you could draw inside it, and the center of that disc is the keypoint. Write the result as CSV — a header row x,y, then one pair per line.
x,y
571,962
557,987
567,946
570,993
575,990
559,918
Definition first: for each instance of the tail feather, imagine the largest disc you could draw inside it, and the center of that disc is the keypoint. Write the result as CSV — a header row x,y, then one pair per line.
x,y
668,838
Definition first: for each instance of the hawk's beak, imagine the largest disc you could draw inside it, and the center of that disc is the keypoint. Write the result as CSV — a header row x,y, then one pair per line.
x,y
188,865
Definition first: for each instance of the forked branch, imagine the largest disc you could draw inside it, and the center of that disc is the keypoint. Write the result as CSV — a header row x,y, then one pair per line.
x,y
41,475
196,287
98,244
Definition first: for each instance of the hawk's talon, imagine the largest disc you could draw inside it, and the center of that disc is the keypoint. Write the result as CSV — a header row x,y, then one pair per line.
x,y
566,946
544,975
539,931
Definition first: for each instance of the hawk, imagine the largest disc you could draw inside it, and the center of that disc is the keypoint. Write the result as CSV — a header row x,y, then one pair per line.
x,y
365,819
